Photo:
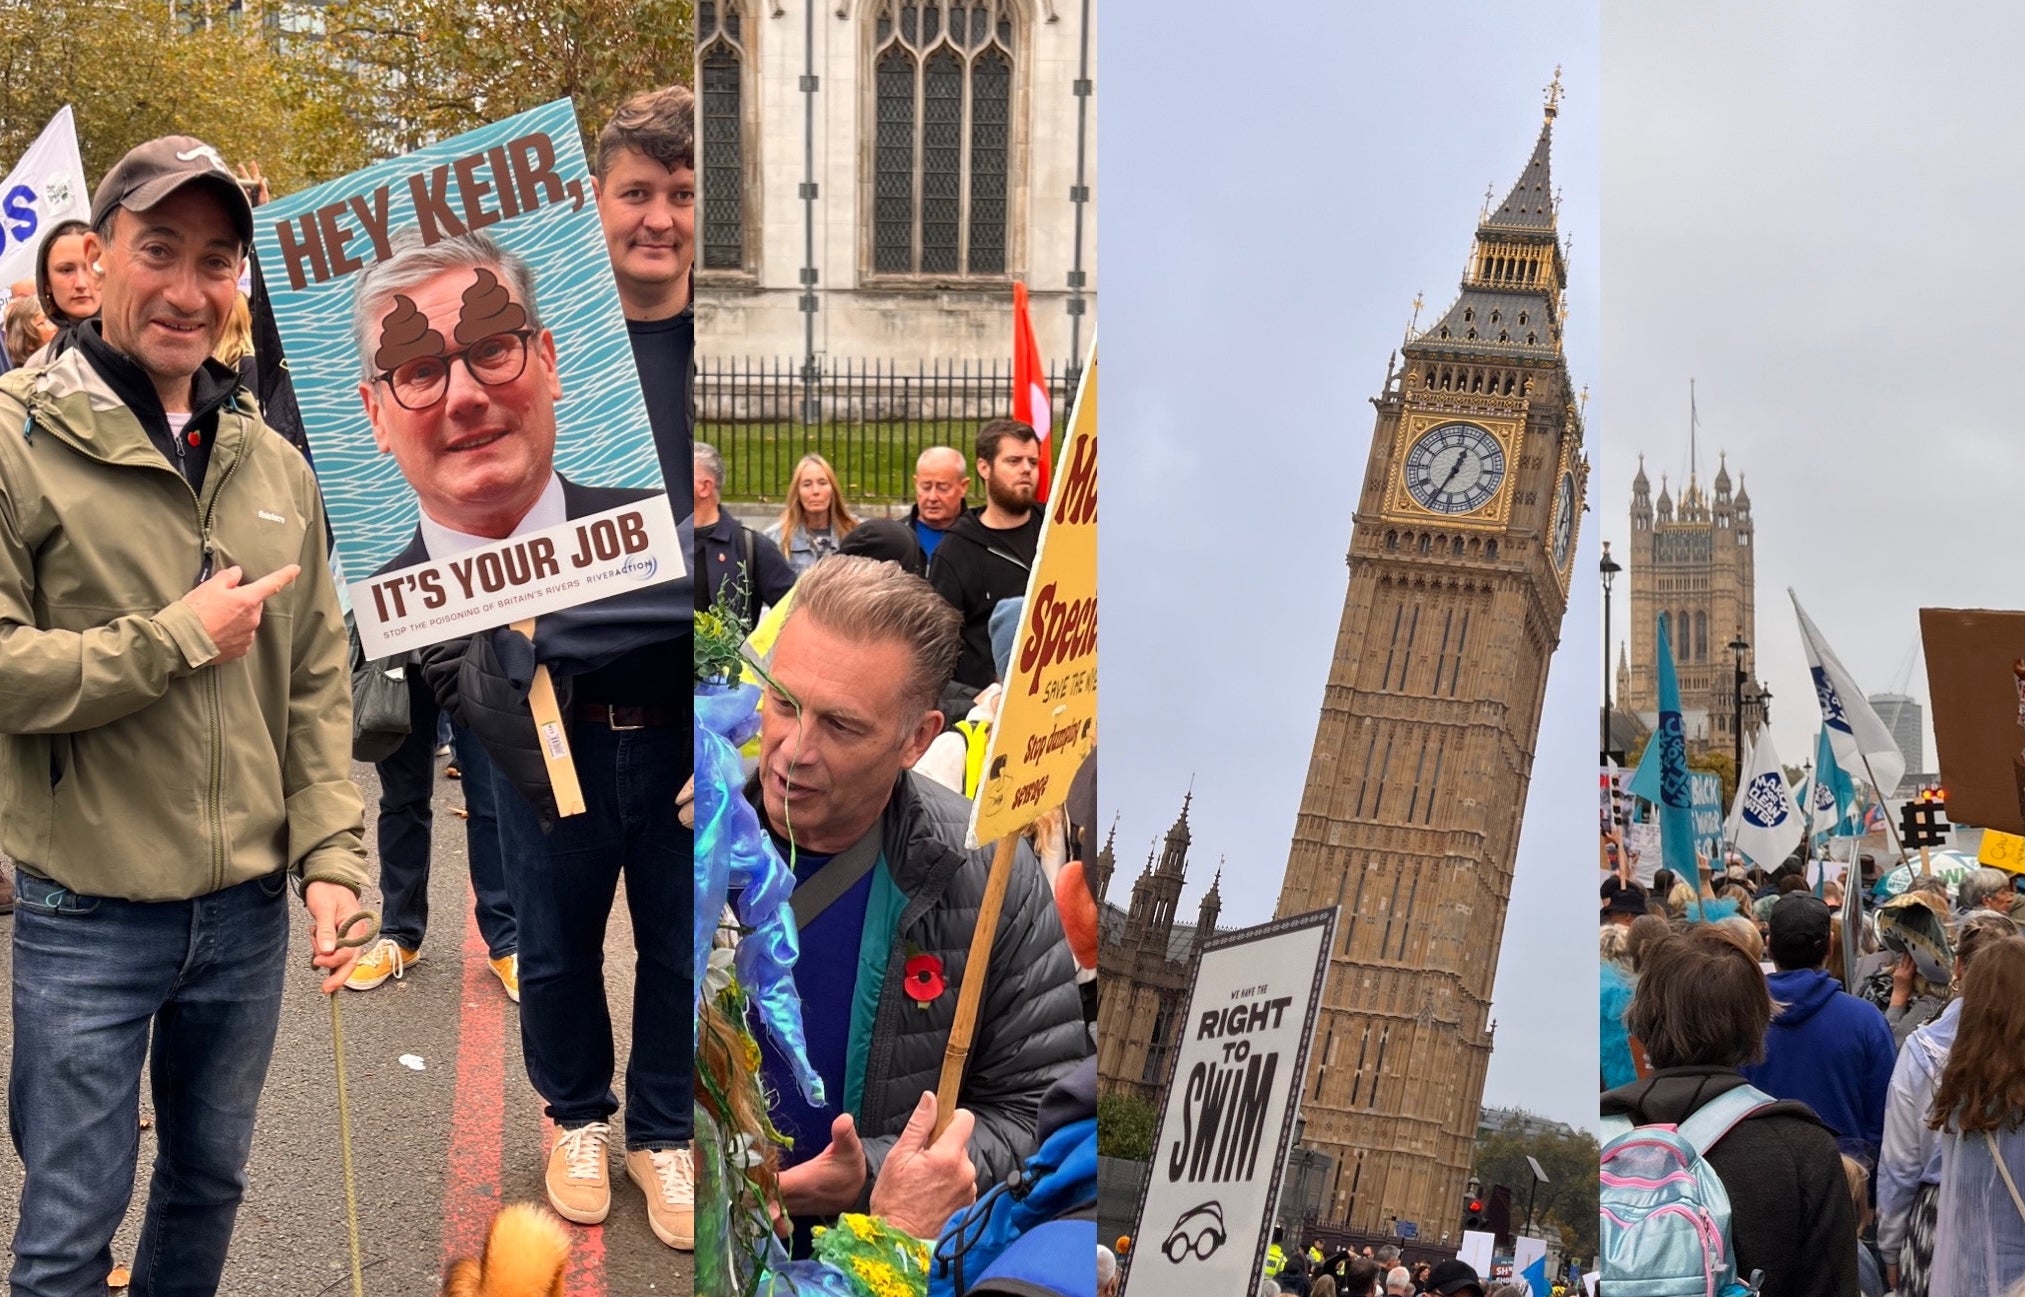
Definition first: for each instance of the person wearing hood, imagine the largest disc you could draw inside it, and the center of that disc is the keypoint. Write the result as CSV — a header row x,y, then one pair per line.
x,y
1701,1011
987,555
1826,1048
1908,1175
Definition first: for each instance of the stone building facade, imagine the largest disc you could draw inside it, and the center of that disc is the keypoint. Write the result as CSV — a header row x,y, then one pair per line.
x,y
1409,820
865,163
1145,960
1691,568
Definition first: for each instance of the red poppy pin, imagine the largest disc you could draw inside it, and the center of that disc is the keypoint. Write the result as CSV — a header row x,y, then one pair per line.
x,y
924,979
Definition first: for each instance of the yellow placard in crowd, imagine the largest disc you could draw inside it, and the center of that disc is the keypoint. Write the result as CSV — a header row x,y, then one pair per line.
x,y
1047,720
2005,851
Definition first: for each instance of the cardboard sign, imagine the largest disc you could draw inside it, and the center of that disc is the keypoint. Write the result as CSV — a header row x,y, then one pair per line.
x,y
45,188
2000,850
1975,709
1047,719
477,424
1227,1114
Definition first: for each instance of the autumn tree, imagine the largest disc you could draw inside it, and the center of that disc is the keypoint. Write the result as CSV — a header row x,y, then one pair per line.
x,y
1565,1207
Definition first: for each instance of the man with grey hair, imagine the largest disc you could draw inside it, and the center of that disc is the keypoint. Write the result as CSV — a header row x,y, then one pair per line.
x,y
880,866
730,555
1107,1272
940,486
1987,889
1398,1281
459,380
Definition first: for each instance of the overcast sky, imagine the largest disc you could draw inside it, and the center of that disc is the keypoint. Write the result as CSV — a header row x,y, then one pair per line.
x,y
1271,207
1812,209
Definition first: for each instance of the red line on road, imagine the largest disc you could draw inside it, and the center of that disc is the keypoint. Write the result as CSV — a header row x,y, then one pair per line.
x,y
472,1188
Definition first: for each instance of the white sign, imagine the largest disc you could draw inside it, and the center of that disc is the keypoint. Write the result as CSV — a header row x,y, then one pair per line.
x,y
45,187
1477,1248
1227,1116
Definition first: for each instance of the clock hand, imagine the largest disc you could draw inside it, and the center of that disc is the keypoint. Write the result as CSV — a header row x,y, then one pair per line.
x,y
1457,468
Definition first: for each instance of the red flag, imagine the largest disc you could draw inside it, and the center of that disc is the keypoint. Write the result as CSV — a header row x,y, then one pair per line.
x,y
1030,404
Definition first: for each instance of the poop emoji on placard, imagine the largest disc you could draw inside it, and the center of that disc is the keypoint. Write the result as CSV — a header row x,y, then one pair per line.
x,y
488,309
405,335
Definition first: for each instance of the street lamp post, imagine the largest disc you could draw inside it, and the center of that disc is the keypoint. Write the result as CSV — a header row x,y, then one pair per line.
x,y
1737,649
1609,568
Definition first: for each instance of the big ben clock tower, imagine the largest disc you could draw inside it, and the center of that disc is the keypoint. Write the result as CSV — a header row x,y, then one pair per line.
x,y
1459,564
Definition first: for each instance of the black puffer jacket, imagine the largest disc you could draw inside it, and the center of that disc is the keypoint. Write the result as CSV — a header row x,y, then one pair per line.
x,y
1790,1214
1030,1029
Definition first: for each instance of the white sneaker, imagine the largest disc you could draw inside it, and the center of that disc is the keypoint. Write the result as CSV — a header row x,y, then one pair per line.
x,y
668,1178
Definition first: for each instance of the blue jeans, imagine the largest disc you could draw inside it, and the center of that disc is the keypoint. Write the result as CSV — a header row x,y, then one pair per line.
x,y
563,883
91,977
407,782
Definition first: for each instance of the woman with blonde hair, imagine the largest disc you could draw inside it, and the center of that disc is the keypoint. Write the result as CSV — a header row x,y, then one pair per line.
x,y
816,519
26,329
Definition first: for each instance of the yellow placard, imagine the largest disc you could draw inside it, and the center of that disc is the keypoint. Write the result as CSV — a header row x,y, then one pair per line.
x,y
2005,851
1047,719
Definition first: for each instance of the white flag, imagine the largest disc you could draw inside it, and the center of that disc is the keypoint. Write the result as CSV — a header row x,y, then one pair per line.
x,y
45,187
1854,731
1765,821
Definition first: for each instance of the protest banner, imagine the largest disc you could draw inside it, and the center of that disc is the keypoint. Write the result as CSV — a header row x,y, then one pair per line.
x,y
1227,1110
1706,791
45,187
465,377
1973,689
1047,716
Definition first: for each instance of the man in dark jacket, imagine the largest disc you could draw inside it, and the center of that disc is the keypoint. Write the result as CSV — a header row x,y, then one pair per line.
x,y
1827,1048
732,560
987,555
887,897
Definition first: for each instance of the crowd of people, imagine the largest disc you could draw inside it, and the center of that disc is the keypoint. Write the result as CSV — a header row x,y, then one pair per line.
x,y
873,727
153,863
1869,1133
1370,1272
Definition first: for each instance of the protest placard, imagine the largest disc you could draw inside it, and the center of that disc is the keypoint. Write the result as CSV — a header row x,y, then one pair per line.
x,y
1227,1112
1047,721
454,335
45,187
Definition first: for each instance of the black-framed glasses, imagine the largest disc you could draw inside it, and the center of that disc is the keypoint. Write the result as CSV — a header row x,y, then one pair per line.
x,y
493,361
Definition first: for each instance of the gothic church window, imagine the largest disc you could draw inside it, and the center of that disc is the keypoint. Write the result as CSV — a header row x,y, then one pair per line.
x,y
942,76
722,65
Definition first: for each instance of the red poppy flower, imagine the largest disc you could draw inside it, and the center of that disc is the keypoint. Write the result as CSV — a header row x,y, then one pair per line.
x,y
924,978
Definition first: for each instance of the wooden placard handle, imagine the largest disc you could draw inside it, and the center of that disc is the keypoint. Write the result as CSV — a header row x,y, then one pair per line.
x,y
552,735
975,969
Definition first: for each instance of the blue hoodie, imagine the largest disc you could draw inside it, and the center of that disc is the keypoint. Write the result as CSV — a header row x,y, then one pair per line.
x,y
1832,1052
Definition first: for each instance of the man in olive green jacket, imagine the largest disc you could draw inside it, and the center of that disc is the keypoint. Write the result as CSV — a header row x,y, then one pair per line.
x,y
175,705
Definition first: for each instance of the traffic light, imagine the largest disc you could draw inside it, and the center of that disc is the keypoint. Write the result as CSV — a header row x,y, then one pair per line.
x,y
1474,1207
1923,822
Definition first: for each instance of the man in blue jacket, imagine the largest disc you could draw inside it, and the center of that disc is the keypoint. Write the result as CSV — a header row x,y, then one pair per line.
x,y
1827,1048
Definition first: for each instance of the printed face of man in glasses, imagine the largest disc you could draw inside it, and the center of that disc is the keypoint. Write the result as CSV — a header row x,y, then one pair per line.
x,y
462,394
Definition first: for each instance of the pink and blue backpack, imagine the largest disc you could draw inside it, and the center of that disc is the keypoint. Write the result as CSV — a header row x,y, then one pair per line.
x,y
1665,1213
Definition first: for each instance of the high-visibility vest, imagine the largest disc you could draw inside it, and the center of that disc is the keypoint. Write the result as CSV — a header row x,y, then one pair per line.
x,y
1276,1260
976,742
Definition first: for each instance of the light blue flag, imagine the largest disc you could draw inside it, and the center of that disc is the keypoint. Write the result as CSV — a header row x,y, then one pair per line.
x,y
1833,798
1645,778
1535,1276
1676,795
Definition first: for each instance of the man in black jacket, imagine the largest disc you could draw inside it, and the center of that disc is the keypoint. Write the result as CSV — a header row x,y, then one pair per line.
x,y
733,562
988,554
888,897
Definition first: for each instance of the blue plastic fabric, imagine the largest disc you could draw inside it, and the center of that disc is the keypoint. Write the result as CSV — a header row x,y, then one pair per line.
x,y
733,852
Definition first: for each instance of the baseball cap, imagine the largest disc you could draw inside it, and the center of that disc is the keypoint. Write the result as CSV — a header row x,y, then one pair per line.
x,y
152,171
1800,919
1451,1277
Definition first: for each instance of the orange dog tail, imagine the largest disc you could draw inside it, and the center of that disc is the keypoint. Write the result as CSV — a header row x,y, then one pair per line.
x,y
526,1254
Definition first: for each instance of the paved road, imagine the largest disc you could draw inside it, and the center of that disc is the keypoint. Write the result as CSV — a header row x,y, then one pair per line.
x,y
437,1151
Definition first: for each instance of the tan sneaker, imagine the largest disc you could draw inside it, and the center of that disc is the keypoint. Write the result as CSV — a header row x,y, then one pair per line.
x,y
507,970
386,958
668,1178
579,1183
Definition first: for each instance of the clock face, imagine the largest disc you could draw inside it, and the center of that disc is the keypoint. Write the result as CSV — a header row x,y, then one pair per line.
x,y
1454,468
1564,521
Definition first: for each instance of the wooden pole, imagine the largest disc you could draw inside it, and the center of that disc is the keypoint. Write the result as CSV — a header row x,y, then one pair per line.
x,y
974,970
553,737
